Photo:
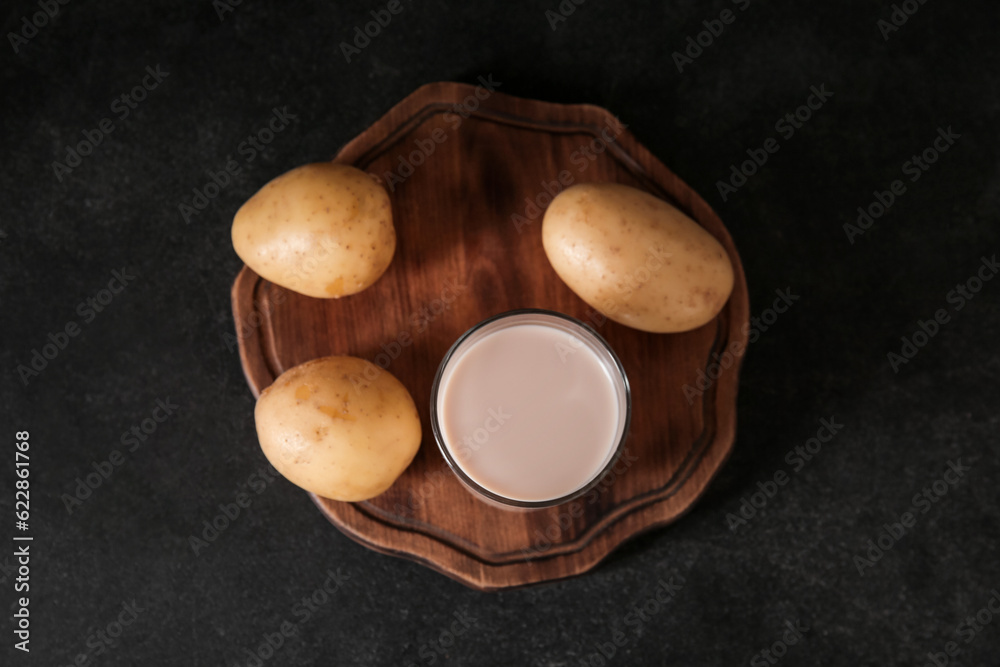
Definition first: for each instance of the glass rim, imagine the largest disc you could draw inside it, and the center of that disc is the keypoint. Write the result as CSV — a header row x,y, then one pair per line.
x,y
479,489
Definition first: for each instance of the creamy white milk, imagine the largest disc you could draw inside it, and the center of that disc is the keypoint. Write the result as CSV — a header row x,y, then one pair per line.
x,y
532,411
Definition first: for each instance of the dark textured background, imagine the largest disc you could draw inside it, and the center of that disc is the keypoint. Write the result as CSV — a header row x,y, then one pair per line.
x,y
161,337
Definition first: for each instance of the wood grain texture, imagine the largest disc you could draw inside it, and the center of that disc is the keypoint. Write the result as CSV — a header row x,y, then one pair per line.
x,y
461,257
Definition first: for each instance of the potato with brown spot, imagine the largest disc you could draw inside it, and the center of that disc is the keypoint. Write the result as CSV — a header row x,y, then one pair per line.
x,y
635,258
340,427
310,229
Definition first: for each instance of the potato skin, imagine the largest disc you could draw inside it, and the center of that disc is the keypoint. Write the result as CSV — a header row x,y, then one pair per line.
x,y
324,230
635,258
340,427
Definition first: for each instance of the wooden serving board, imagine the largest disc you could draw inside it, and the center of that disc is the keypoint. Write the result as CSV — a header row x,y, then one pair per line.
x,y
460,177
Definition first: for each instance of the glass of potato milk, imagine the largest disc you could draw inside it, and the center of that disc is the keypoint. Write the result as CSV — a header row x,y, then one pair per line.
x,y
530,408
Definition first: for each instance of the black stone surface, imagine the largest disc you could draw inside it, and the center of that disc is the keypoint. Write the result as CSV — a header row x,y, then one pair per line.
x,y
161,337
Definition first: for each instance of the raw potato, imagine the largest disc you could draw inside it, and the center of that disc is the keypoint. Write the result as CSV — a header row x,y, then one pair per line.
x,y
323,230
635,258
340,427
